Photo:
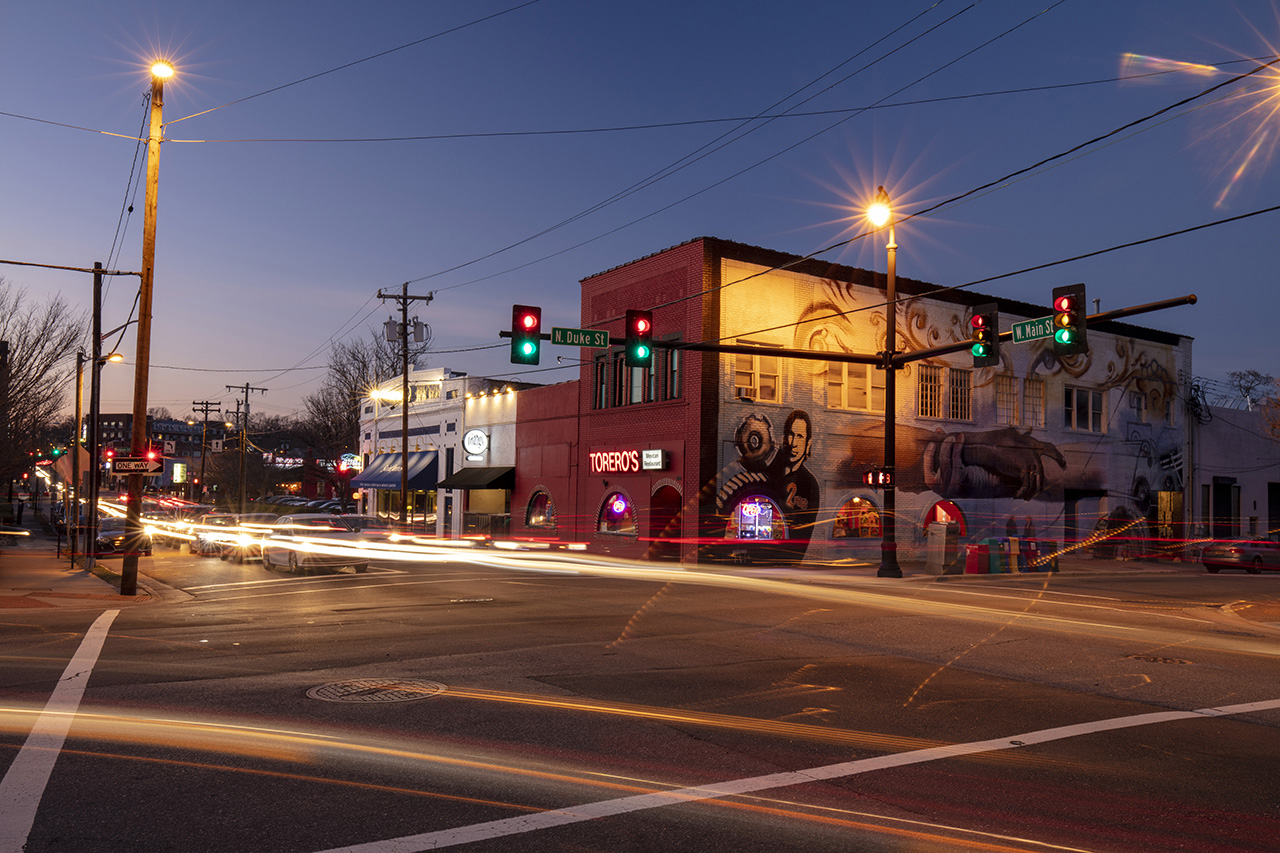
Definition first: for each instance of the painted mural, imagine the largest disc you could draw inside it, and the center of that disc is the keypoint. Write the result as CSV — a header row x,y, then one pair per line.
x,y
1090,445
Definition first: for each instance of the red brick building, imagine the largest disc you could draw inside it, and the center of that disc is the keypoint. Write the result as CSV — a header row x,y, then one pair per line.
x,y
751,456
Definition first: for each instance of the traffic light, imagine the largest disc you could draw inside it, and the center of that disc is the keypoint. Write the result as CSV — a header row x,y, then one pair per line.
x,y
152,453
986,335
56,452
526,334
1069,320
639,339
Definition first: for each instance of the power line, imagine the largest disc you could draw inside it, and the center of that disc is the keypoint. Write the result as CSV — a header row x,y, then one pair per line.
x,y
356,62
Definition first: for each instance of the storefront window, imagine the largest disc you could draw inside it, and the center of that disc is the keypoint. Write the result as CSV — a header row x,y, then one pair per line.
x,y
542,512
756,517
618,515
855,520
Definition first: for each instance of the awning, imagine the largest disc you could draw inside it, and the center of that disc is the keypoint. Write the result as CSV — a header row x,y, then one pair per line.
x,y
480,478
384,472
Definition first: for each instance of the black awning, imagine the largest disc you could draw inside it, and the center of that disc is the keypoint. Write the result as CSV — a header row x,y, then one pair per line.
x,y
480,478
384,472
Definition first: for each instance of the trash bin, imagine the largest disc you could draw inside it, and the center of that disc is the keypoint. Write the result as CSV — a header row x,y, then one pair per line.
x,y
976,561
998,555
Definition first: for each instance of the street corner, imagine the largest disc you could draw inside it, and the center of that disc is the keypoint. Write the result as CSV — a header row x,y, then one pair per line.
x,y
1265,613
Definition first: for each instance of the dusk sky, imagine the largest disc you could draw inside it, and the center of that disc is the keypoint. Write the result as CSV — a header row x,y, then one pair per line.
x,y
498,151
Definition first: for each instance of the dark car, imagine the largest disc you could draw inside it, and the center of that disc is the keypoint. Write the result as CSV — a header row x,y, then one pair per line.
x,y
112,536
1252,555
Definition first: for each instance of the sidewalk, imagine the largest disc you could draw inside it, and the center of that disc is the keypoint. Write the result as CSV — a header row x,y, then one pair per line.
x,y
33,576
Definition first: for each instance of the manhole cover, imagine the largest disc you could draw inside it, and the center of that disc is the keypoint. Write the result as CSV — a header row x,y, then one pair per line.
x,y
376,690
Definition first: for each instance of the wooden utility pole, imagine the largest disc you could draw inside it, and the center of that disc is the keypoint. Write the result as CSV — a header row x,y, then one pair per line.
x,y
404,299
244,435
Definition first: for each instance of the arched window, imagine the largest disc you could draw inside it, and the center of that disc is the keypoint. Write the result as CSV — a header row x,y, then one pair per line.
x,y
542,511
857,519
756,517
618,515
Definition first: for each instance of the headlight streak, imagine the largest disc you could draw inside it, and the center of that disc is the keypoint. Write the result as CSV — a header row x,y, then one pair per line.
x,y
865,595
789,810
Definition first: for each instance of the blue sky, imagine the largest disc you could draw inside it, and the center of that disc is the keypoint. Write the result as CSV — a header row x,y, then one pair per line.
x,y
271,245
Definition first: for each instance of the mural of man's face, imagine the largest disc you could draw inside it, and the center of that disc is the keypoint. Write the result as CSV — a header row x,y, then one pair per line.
x,y
797,441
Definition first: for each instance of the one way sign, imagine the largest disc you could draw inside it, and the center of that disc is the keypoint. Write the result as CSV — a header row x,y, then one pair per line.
x,y
136,465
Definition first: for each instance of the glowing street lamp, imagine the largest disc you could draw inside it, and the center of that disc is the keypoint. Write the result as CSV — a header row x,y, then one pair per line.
x,y
880,214
160,72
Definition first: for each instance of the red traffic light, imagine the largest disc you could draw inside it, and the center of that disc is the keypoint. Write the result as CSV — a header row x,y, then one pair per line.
x,y
526,334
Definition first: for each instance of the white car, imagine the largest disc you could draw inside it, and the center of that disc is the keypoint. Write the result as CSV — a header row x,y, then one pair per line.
x,y
301,543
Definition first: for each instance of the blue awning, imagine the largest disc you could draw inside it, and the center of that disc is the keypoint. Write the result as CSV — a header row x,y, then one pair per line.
x,y
384,472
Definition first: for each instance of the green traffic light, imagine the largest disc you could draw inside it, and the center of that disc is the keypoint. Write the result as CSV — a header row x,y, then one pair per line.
x,y
642,352
980,351
528,348
1064,336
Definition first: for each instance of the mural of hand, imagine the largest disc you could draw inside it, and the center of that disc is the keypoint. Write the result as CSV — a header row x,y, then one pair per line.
x,y
1012,460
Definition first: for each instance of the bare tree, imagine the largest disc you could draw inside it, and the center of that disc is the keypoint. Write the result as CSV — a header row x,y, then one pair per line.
x,y
160,413
42,341
331,422
1252,385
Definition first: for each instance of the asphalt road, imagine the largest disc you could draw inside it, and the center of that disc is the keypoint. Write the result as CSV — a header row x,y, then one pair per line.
x,y
515,702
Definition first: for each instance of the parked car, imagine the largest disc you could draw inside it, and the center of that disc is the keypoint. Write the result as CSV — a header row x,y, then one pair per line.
x,y
1252,555
245,542
112,536
212,531
301,543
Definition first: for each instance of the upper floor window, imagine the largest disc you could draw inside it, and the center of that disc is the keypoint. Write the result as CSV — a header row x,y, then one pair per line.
x,y
929,381
855,386
615,384
1033,403
1006,399
755,375
1082,409
957,400
960,394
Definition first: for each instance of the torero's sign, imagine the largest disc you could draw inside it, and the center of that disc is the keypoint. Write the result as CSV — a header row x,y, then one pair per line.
x,y
627,461
615,461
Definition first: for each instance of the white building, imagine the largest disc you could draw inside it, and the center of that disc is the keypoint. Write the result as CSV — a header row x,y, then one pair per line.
x,y
460,455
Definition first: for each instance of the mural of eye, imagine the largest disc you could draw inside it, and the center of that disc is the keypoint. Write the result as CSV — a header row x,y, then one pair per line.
x,y
754,440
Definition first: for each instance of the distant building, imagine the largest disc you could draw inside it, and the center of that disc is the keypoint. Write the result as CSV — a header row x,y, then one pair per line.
x,y
460,452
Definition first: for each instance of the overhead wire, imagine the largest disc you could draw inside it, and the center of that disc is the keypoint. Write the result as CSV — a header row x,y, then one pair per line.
x,y
361,61
756,164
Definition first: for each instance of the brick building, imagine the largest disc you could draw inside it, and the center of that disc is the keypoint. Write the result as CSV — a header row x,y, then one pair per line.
x,y
712,456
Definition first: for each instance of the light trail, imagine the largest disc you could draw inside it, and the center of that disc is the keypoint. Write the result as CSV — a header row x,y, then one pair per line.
x,y
507,827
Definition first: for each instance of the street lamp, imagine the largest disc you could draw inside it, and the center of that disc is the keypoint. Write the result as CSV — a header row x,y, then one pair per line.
x,y
160,72
880,213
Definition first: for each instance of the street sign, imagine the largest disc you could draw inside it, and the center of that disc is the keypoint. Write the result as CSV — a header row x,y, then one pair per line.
x,y
597,338
136,465
1033,330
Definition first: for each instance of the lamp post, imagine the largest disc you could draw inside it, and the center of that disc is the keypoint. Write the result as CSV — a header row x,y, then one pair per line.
x,y
881,214
160,72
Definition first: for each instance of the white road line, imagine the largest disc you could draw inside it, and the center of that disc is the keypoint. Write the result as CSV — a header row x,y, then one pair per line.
x,y
623,805
23,785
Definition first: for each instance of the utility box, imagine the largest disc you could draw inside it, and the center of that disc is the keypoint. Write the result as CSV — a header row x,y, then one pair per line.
x,y
942,549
